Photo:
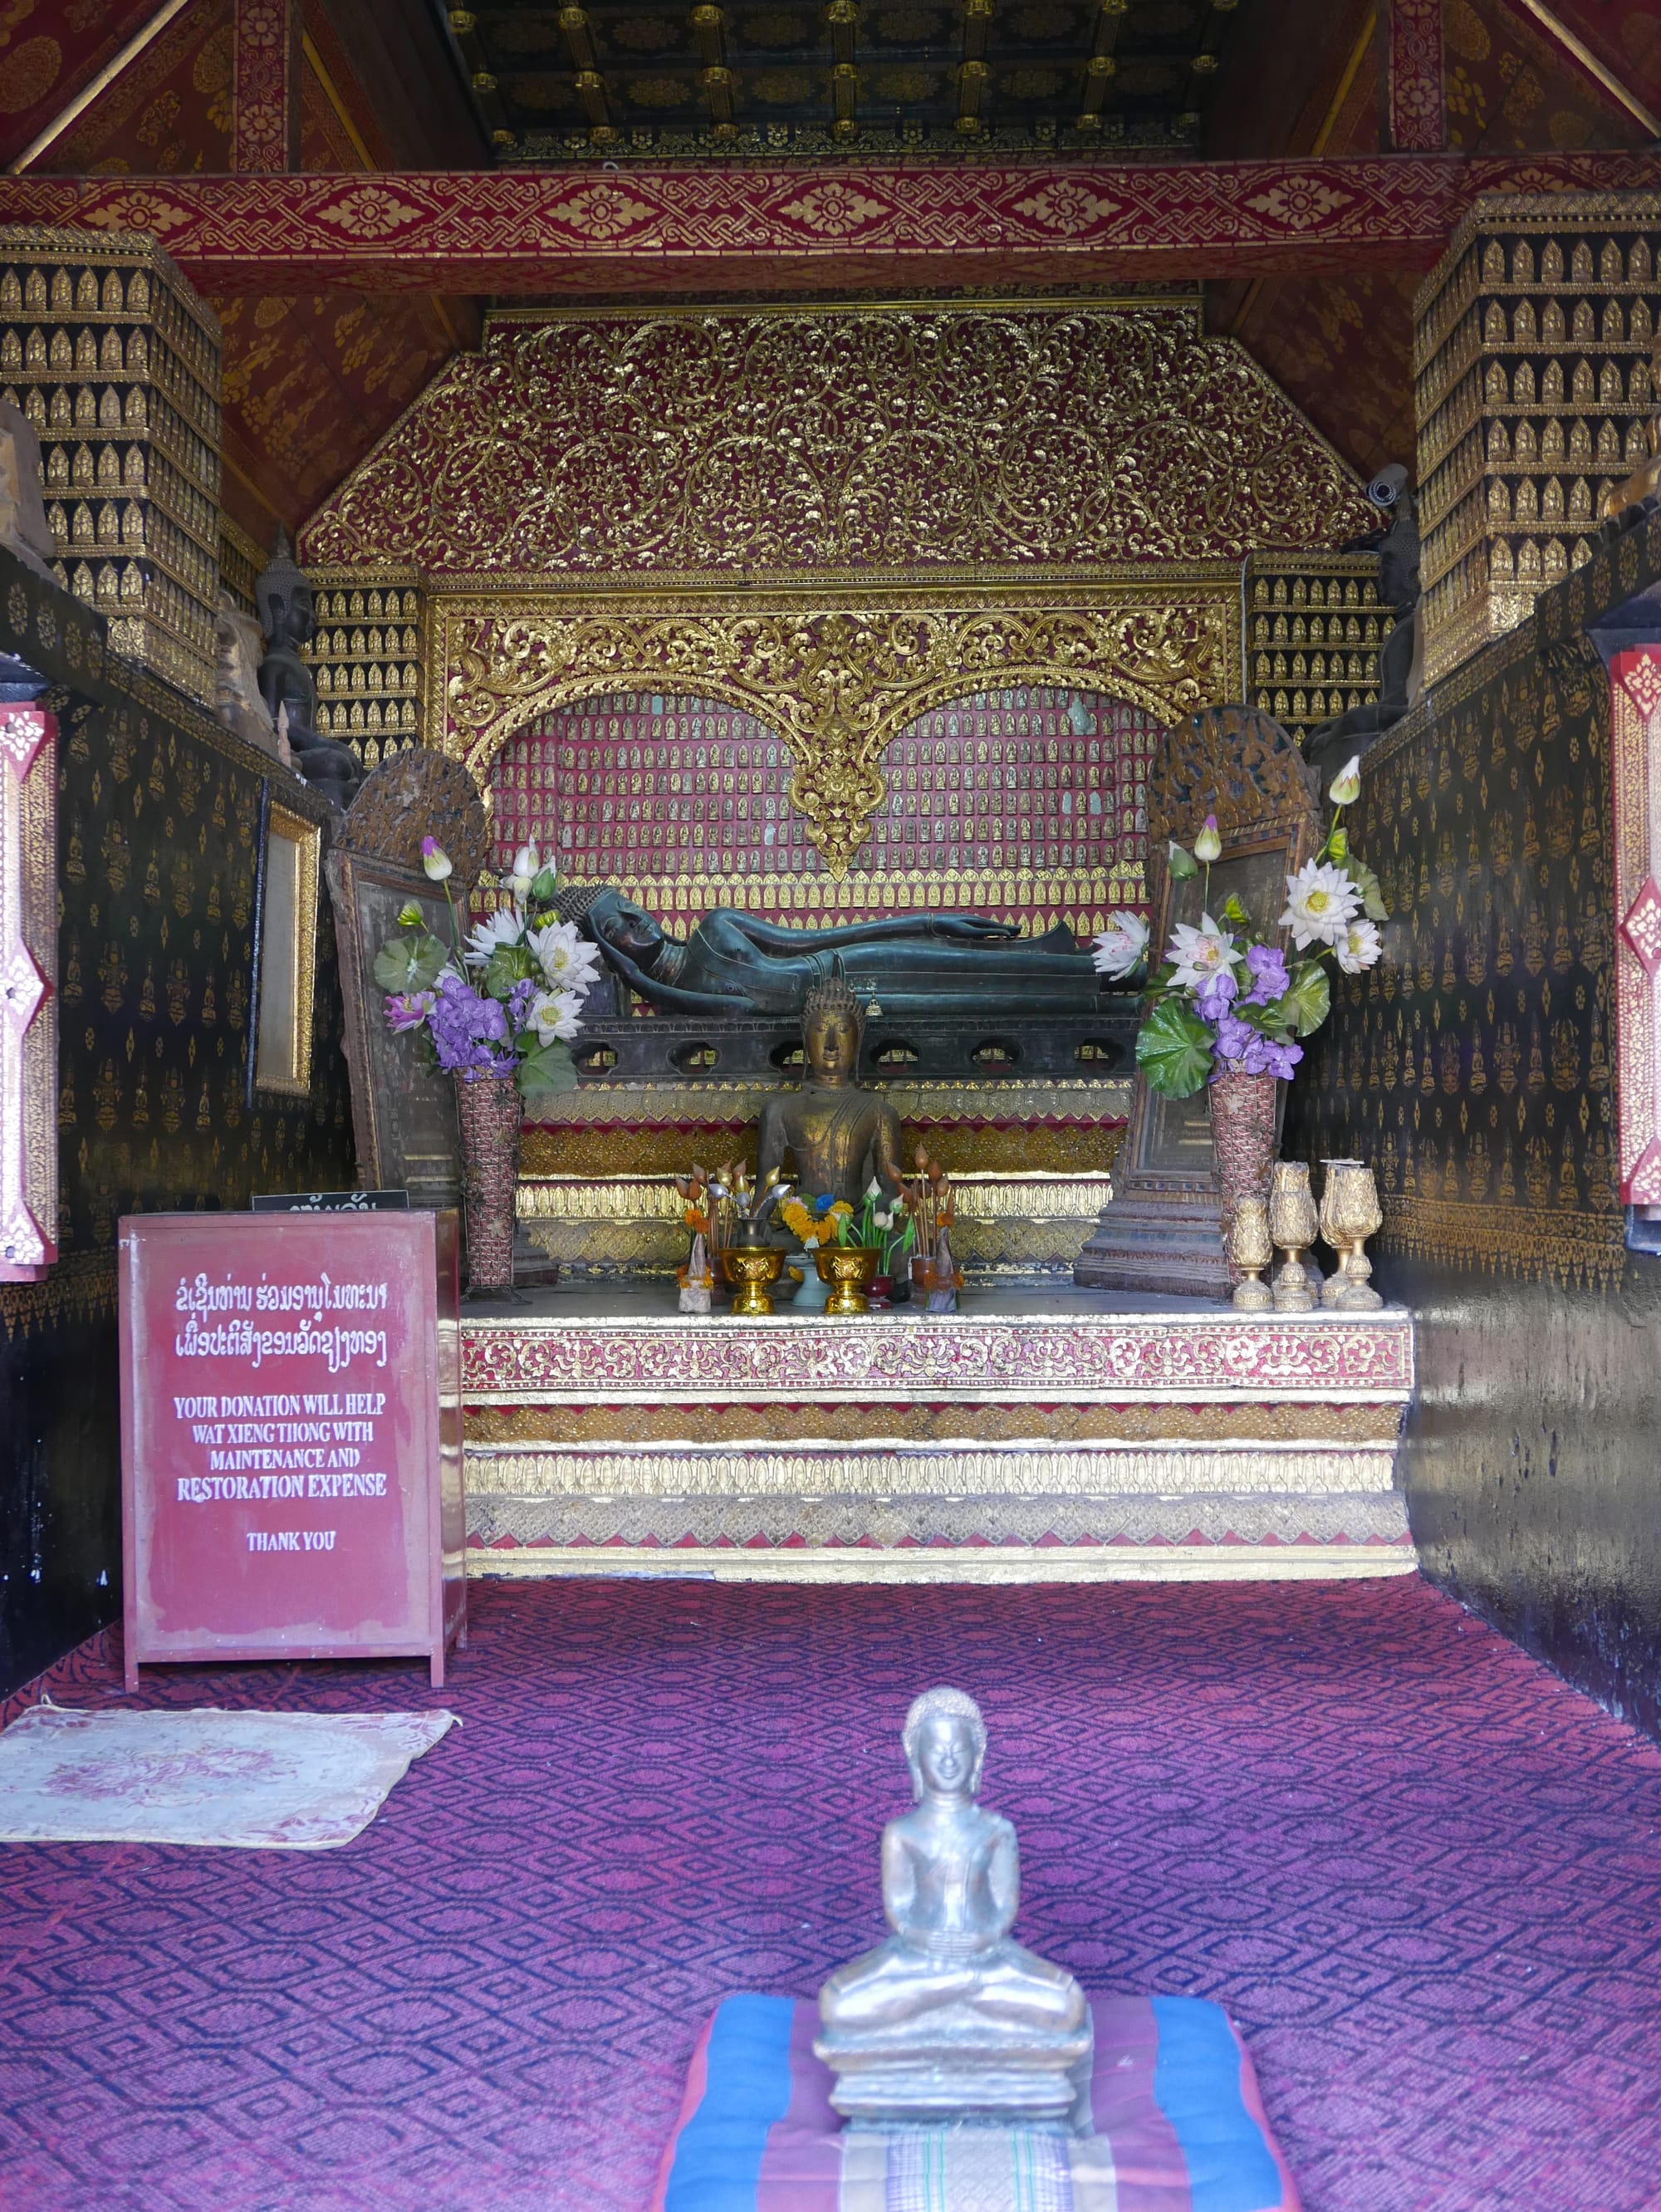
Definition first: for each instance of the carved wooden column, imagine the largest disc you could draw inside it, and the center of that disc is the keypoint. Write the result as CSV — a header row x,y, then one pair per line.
x,y
1635,674
28,999
265,122
1415,114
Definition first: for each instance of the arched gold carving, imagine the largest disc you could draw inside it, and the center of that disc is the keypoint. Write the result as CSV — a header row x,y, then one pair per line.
x,y
837,681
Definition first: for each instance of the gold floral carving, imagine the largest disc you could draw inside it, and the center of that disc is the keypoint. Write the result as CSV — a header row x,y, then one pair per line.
x,y
1031,1468
616,1427
1019,1149
935,1106
713,445
838,676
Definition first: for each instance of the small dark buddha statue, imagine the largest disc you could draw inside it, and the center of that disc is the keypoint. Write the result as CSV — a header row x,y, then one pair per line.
x,y
287,616
840,1135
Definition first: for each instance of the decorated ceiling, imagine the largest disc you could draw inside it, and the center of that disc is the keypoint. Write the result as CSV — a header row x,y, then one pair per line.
x,y
143,87
630,80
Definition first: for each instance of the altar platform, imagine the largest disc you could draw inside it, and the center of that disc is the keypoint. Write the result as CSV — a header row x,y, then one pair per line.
x,y
1045,1435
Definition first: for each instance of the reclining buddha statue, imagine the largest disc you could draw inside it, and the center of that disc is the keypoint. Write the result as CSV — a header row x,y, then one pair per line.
x,y
914,963
950,2018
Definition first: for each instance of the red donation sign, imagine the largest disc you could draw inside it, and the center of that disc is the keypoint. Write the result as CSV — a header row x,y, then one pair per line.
x,y
291,1447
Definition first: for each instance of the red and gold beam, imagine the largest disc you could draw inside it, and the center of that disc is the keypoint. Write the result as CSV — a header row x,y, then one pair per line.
x,y
573,233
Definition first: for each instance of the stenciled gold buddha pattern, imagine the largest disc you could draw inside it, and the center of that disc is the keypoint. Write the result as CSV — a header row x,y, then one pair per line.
x,y
1531,353
158,831
1314,630
367,656
116,362
1474,1065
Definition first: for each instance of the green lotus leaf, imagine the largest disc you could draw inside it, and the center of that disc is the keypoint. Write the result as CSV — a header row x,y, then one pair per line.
x,y
410,963
1174,1048
548,1071
1367,883
509,964
1307,1001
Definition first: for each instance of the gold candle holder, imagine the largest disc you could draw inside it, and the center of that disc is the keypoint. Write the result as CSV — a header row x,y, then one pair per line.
x,y
1293,1224
1250,1249
1350,1213
752,1269
849,1270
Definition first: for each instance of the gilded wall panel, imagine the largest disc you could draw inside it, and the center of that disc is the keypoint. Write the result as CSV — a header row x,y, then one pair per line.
x,y
698,444
1476,1065
839,676
158,845
1532,342
116,362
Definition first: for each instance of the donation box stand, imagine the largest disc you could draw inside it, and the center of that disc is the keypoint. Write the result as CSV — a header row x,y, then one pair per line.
x,y
291,1444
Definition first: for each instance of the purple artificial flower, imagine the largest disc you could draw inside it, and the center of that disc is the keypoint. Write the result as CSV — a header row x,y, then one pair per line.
x,y
519,1000
1215,994
1242,1050
1270,980
408,1011
1283,1058
470,1030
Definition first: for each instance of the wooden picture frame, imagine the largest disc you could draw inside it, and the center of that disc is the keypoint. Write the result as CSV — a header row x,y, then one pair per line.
x,y
403,1110
285,984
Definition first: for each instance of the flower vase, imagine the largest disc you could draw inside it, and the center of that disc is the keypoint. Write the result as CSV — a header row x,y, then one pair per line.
x,y
1243,1141
489,1111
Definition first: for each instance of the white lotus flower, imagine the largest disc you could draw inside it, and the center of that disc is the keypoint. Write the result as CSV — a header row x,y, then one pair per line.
x,y
1358,946
555,1014
527,864
1321,901
1198,953
484,938
567,961
1346,786
1121,946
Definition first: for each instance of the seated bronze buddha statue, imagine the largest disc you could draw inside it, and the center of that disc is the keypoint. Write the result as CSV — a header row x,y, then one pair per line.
x,y
951,2019
840,1137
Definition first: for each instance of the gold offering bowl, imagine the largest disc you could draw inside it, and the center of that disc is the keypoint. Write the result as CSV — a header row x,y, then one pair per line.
x,y
849,1269
752,1269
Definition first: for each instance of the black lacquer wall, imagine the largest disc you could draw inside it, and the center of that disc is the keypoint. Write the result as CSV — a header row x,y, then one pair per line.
x,y
158,846
1476,1067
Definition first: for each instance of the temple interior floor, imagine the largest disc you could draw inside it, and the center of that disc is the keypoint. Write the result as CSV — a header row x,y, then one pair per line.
x,y
1420,1872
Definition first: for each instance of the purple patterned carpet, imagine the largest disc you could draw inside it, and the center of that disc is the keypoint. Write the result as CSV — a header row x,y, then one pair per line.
x,y
1424,1877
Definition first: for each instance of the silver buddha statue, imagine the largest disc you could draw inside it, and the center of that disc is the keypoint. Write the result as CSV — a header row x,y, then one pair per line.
x,y
950,2020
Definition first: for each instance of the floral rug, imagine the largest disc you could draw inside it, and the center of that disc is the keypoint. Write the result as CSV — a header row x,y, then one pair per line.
x,y
285,1782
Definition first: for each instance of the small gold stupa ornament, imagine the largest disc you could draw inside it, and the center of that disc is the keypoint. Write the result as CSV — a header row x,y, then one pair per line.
x,y
1293,1224
1251,1247
1350,1214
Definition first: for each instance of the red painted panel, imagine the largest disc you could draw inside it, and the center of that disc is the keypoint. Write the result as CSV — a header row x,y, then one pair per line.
x,y
291,1469
639,789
